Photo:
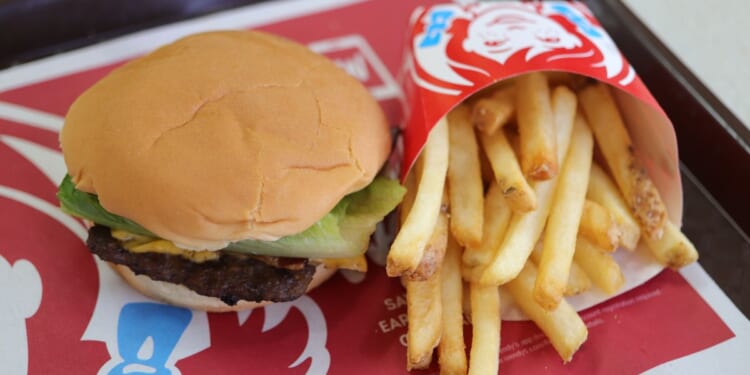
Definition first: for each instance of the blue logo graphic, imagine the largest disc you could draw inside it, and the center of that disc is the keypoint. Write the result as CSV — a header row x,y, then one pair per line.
x,y
147,333
439,22
578,19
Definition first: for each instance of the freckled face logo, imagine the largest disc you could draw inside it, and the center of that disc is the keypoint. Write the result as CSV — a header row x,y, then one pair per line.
x,y
457,49
499,33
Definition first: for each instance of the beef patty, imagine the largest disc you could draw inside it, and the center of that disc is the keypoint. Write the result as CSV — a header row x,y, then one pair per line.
x,y
232,277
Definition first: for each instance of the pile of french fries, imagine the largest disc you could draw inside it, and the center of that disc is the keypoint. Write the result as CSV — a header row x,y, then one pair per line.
x,y
529,186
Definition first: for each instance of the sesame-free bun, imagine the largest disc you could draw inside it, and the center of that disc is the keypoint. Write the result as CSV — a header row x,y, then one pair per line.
x,y
179,295
225,136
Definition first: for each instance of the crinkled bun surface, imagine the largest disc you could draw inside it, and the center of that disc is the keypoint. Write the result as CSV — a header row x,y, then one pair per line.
x,y
224,136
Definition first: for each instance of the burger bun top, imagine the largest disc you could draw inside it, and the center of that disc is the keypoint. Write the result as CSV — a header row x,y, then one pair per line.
x,y
225,136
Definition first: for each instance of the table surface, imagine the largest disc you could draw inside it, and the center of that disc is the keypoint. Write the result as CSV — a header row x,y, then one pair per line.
x,y
715,27
30,30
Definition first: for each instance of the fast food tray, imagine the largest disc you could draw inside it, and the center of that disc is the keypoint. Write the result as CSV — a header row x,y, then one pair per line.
x,y
713,142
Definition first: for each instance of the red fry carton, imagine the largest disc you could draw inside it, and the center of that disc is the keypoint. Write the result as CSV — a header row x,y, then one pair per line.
x,y
63,311
456,50
453,51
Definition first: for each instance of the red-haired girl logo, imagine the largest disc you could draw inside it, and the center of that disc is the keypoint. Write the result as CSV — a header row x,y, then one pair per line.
x,y
58,303
460,48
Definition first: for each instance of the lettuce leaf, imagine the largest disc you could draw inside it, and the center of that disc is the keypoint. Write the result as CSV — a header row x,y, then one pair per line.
x,y
343,232
86,206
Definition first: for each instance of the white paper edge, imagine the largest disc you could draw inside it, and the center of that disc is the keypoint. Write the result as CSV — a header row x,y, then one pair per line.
x,y
729,357
638,266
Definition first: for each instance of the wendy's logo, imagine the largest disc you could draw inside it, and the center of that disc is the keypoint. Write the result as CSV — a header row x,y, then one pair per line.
x,y
498,33
457,48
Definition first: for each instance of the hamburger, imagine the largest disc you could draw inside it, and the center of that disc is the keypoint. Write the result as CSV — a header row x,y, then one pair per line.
x,y
227,170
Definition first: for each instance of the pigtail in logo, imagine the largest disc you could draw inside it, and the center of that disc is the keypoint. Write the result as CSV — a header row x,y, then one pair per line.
x,y
317,334
434,70
610,58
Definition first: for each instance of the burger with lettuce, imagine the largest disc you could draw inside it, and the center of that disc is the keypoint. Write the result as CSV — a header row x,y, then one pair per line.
x,y
227,170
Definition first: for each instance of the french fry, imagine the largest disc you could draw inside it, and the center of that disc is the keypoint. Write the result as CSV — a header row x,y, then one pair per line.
x,y
464,179
573,81
578,281
602,190
434,251
411,190
564,328
599,266
536,126
486,168
616,146
515,141
451,261
452,349
522,233
564,108
565,215
408,247
485,321
599,226
424,314
524,229
472,274
508,175
558,77
492,113
674,250
488,91
496,217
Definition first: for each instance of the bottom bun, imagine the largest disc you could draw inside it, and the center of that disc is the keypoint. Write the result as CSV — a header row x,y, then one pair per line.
x,y
179,295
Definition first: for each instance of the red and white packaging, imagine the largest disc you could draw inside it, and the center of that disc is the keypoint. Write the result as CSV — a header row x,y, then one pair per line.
x,y
454,51
62,311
